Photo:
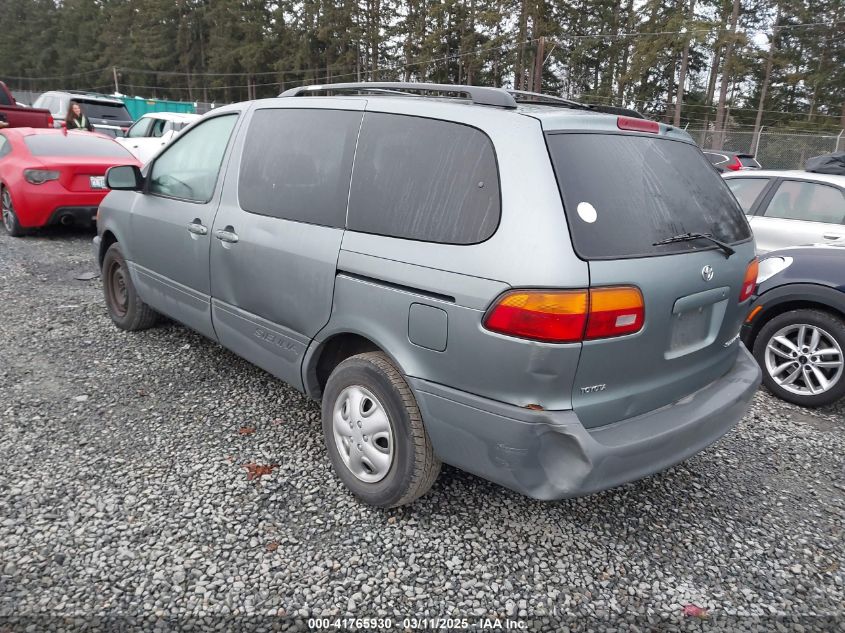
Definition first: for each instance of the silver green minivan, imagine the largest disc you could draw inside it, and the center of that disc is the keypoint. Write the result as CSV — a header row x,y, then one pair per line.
x,y
532,290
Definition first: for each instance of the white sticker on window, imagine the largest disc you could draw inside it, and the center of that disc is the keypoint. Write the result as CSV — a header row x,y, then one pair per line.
x,y
587,212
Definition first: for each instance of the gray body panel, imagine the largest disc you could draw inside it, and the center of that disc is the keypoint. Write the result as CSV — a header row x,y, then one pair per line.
x,y
282,292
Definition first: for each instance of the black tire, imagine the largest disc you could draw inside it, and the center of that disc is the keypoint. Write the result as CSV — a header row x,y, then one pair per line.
x,y
414,466
832,325
10,219
126,309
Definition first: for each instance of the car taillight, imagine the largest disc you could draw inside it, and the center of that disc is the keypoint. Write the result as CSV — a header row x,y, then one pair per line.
x,y
50,120
750,280
40,176
568,316
736,165
615,311
556,317
637,125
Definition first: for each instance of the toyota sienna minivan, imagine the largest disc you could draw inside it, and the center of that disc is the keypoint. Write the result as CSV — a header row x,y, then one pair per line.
x,y
527,288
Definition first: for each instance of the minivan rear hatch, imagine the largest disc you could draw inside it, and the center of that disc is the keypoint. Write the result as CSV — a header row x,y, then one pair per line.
x,y
622,194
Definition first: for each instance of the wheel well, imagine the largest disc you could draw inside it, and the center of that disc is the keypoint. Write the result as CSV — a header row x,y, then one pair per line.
x,y
107,240
336,350
788,306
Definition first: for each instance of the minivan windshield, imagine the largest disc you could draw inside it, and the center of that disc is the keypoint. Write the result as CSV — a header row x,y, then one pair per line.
x,y
624,192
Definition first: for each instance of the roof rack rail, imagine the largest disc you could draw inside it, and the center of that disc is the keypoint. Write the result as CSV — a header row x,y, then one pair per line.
x,y
477,94
524,96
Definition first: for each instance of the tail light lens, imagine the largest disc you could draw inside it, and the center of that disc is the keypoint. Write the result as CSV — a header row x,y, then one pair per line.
x,y
568,316
40,176
750,280
637,125
555,317
615,312
50,121
736,165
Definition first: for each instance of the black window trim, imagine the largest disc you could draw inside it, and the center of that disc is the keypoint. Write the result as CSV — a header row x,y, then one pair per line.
x,y
764,201
410,239
351,172
610,132
221,170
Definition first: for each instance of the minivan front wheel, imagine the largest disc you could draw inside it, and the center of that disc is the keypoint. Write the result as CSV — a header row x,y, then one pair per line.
x,y
802,356
374,432
126,309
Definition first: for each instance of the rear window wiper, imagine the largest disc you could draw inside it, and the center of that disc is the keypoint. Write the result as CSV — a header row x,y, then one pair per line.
x,y
689,237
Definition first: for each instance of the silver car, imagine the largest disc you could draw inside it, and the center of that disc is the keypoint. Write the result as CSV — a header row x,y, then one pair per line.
x,y
539,293
791,208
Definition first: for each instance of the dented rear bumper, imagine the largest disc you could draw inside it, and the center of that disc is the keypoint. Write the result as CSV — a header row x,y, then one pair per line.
x,y
550,455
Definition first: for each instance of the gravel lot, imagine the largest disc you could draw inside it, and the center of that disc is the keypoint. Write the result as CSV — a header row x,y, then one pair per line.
x,y
124,494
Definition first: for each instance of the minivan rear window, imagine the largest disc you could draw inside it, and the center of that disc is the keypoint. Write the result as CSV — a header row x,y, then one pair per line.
x,y
624,192
104,110
75,144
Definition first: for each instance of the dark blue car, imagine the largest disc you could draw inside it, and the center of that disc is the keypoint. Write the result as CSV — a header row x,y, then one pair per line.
x,y
796,326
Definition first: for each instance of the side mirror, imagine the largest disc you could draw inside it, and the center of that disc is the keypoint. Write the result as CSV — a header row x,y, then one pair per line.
x,y
125,178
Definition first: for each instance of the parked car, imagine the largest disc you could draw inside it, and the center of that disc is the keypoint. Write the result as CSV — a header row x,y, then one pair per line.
x,y
153,131
487,287
17,115
731,161
796,326
104,112
791,208
50,176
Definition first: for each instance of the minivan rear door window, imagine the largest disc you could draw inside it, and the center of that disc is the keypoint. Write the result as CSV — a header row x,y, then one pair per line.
x,y
424,179
623,193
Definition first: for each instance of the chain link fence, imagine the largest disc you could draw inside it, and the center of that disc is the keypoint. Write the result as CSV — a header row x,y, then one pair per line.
x,y
775,150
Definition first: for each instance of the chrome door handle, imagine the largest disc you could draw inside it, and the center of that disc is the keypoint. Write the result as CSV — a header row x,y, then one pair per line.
x,y
227,235
197,228
831,236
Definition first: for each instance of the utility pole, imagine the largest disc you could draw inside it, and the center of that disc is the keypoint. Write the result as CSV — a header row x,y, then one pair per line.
x,y
114,72
538,65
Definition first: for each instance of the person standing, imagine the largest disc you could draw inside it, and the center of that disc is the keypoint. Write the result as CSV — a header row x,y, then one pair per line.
x,y
76,119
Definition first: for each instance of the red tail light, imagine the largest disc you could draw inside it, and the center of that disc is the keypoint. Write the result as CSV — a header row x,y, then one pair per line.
x,y
50,120
750,281
568,316
736,165
637,125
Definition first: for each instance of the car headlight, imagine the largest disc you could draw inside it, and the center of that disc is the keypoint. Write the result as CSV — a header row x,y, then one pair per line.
x,y
771,266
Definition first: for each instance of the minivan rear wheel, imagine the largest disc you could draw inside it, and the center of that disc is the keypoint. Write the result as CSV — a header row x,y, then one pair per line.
x,y
374,432
801,353
126,309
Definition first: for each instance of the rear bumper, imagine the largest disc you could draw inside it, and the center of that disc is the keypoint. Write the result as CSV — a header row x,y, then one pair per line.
x,y
83,216
41,205
550,455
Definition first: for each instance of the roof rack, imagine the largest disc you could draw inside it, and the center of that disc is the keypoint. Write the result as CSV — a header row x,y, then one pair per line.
x,y
477,94
524,96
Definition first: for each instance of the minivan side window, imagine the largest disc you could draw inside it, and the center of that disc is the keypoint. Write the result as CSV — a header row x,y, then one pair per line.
x,y
808,201
189,167
424,179
297,163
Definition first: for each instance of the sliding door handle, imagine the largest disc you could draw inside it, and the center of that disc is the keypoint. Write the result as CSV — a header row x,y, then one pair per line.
x,y
227,235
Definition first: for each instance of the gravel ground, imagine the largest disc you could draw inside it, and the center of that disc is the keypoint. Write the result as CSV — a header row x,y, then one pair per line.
x,y
124,494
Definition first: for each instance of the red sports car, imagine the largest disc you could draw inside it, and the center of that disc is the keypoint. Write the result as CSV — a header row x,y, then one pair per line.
x,y
50,176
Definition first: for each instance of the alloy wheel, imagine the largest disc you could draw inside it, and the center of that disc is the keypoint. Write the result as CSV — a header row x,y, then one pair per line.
x,y
8,212
804,359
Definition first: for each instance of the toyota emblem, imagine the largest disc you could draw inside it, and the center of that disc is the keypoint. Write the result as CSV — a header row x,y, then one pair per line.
x,y
707,273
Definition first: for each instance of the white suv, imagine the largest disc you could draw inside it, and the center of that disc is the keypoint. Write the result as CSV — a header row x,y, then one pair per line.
x,y
153,131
